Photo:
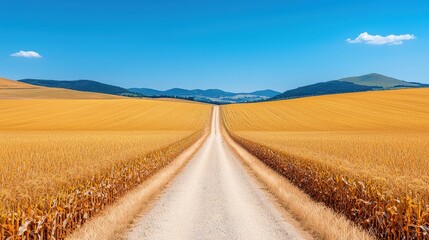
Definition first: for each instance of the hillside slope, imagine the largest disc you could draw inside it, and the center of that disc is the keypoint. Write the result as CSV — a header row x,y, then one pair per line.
x,y
363,83
10,89
10,84
79,85
331,87
375,79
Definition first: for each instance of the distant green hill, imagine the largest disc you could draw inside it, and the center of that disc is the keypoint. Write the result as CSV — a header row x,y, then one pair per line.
x,y
375,79
267,92
209,95
367,82
80,85
212,93
331,87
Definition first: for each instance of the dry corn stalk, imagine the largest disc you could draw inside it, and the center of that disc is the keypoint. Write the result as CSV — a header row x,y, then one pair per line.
x,y
387,217
53,217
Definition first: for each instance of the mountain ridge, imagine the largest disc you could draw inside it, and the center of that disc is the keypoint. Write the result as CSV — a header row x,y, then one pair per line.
x,y
206,95
368,82
209,95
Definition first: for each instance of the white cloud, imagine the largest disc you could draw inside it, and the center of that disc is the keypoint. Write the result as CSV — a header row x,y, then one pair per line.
x,y
380,40
26,54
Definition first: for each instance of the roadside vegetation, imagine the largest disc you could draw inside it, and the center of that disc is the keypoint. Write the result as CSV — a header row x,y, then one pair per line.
x,y
63,161
363,154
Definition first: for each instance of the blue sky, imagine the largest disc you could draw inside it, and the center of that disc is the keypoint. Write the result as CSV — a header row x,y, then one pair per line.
x,y
232,45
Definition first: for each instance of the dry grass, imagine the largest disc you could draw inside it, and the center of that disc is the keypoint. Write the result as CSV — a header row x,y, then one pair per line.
x,y
54,152
377,139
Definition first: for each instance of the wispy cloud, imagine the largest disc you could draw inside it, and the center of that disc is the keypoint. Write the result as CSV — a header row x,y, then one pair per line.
x,y
381,40
26,54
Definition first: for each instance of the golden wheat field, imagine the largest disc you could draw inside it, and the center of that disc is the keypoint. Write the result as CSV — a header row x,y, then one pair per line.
x,y
38,163
372,146
64,160
10,84
10,89
102,115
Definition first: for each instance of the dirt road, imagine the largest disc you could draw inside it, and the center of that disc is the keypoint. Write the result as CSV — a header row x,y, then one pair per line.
x,y
214,197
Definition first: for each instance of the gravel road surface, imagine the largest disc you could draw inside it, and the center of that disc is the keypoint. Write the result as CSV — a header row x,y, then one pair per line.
x,y
214,197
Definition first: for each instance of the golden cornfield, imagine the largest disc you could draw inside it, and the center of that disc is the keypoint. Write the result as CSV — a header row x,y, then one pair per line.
x,y
62,161
363,154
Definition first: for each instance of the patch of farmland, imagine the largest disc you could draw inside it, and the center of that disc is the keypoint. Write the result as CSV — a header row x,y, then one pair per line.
x,y
363,154
65,160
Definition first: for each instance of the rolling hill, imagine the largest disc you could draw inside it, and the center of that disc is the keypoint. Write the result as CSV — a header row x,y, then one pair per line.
x,y
209,95
375,79
212,93
79,85
10,84
267,92
363,83
368,145
10,89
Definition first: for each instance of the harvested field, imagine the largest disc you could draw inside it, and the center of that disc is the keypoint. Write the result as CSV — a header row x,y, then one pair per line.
x,y
363,154
62,161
